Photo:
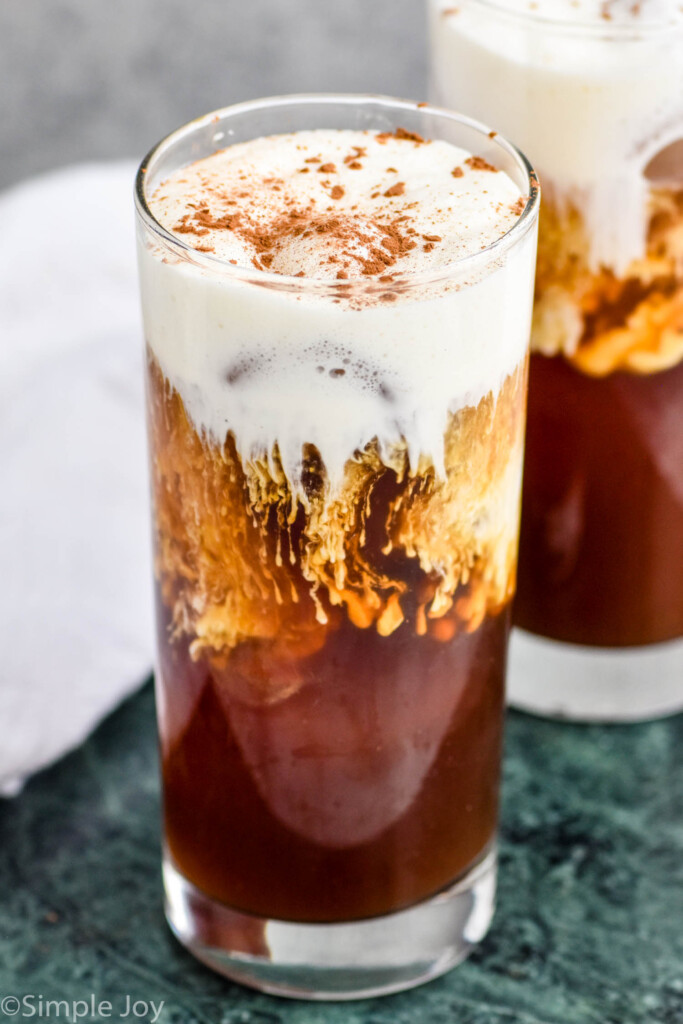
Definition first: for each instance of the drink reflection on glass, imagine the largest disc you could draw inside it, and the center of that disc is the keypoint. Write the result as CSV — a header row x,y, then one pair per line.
x,y
337,309
593,92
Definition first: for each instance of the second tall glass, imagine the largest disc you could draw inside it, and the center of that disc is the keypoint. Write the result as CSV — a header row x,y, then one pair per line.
x,y
593,92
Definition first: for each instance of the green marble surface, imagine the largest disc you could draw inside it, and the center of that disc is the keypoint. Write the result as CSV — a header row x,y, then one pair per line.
x,y
589,927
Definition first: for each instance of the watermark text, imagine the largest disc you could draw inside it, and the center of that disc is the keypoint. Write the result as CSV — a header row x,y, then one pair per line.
x,y
90,1008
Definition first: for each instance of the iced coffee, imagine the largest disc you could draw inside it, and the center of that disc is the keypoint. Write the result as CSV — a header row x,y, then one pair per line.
x,y
337,324
593,92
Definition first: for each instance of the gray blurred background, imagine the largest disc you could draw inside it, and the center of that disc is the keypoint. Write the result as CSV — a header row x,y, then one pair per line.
x,y
91,79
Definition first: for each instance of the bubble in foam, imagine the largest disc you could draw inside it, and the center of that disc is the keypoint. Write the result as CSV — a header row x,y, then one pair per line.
x,y
239,370
339,362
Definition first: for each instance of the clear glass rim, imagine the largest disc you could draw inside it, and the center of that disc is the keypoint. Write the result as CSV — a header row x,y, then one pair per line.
x,y
605,28
462,265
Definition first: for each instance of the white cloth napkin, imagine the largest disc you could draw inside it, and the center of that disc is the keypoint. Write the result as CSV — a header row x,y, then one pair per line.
x,y
75,577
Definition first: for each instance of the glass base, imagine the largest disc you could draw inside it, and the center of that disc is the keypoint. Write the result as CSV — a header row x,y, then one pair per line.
x,y
335,961
594,684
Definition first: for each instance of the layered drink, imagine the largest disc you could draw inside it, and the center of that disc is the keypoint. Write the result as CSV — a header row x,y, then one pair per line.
x,y
593,92
337,324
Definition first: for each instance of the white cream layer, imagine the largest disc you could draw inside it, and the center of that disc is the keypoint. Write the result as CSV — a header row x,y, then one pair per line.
x,y
636,14
589,107
293,368
320,175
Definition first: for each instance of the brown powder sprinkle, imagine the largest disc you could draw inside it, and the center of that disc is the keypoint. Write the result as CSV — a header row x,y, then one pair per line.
x,y
205,219
400,133
190,229
477,163
518,206
183,227
374,248
358,152
355,165
367,244
326,226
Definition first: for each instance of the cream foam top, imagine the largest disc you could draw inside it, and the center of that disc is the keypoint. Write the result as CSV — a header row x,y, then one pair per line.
x,y
279,365
590,109
339,204
600,12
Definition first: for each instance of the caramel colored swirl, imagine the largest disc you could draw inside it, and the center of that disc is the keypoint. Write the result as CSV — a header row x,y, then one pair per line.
x,y
602,323
240,561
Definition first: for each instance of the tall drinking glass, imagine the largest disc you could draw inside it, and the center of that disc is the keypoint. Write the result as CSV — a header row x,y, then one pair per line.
x,y
336,470
593,92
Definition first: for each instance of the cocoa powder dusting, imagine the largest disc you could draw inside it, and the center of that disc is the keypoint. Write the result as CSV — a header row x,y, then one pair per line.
x,y
367,244
353,158
401,133
477,163
184,227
